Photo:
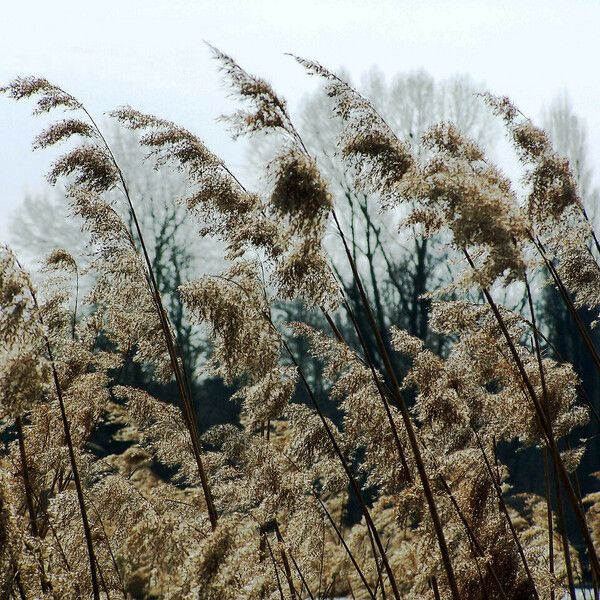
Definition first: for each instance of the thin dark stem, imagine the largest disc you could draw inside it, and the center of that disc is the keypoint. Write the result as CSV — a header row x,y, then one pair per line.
x,y
348,551
102,581
408,424
26,479
84,517
369,362
286,564
379,386
322,557
274,567
175,357
472,536
377,567
546,429
67,431
569,304
20,586
353,483
504,510
550,520
389,369
337,532
262,554
76,302
565,543
434,587
585,216
558,355
62,553
304,583
563,536
29,494
109,547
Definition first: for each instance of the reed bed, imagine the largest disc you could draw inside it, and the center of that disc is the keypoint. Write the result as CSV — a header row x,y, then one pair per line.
x,y
255,511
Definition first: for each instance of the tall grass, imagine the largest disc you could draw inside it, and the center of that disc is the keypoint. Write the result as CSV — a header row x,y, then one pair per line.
x,y
256,511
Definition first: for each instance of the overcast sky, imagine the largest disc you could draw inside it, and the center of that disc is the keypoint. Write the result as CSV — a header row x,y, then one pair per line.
x,y
150,54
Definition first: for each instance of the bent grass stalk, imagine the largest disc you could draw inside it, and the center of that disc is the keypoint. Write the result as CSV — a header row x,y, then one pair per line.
x,y
424,478
354,484
383,351
565,543
73,461
562,472
175,357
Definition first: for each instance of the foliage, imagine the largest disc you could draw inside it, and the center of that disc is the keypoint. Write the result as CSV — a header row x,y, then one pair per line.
x,y
254,511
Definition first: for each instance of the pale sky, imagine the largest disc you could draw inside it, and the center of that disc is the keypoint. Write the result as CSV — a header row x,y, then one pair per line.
x,y
150,54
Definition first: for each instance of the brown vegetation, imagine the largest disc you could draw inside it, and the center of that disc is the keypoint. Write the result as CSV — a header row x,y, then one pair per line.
x,y
255,511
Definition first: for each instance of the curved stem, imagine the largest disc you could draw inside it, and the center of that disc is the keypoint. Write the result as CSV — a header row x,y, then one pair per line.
x,y
395,387
67,431
175,356
349,474
546,429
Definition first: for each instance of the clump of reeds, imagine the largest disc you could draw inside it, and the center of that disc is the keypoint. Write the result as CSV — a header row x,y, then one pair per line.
x,y
259,514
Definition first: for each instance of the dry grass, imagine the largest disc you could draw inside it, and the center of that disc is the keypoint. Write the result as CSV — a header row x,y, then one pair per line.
x,y
259,514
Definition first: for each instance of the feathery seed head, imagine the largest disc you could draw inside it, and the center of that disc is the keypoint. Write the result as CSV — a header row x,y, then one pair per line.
x,y
49,96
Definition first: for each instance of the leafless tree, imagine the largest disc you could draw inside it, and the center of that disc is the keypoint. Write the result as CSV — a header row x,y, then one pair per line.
x,y
43,223
397,265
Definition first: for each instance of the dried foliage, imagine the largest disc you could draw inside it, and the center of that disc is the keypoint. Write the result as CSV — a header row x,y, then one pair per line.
x,y
255,511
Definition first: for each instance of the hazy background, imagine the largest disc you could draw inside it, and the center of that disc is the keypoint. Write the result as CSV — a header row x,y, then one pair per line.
x,y
150,54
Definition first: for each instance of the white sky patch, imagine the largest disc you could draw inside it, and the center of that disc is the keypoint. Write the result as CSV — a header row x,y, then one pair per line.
x,y
150,54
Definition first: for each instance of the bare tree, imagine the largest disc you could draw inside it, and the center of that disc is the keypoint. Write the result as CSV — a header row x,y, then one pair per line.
x,y
569,135
177,253
396,266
